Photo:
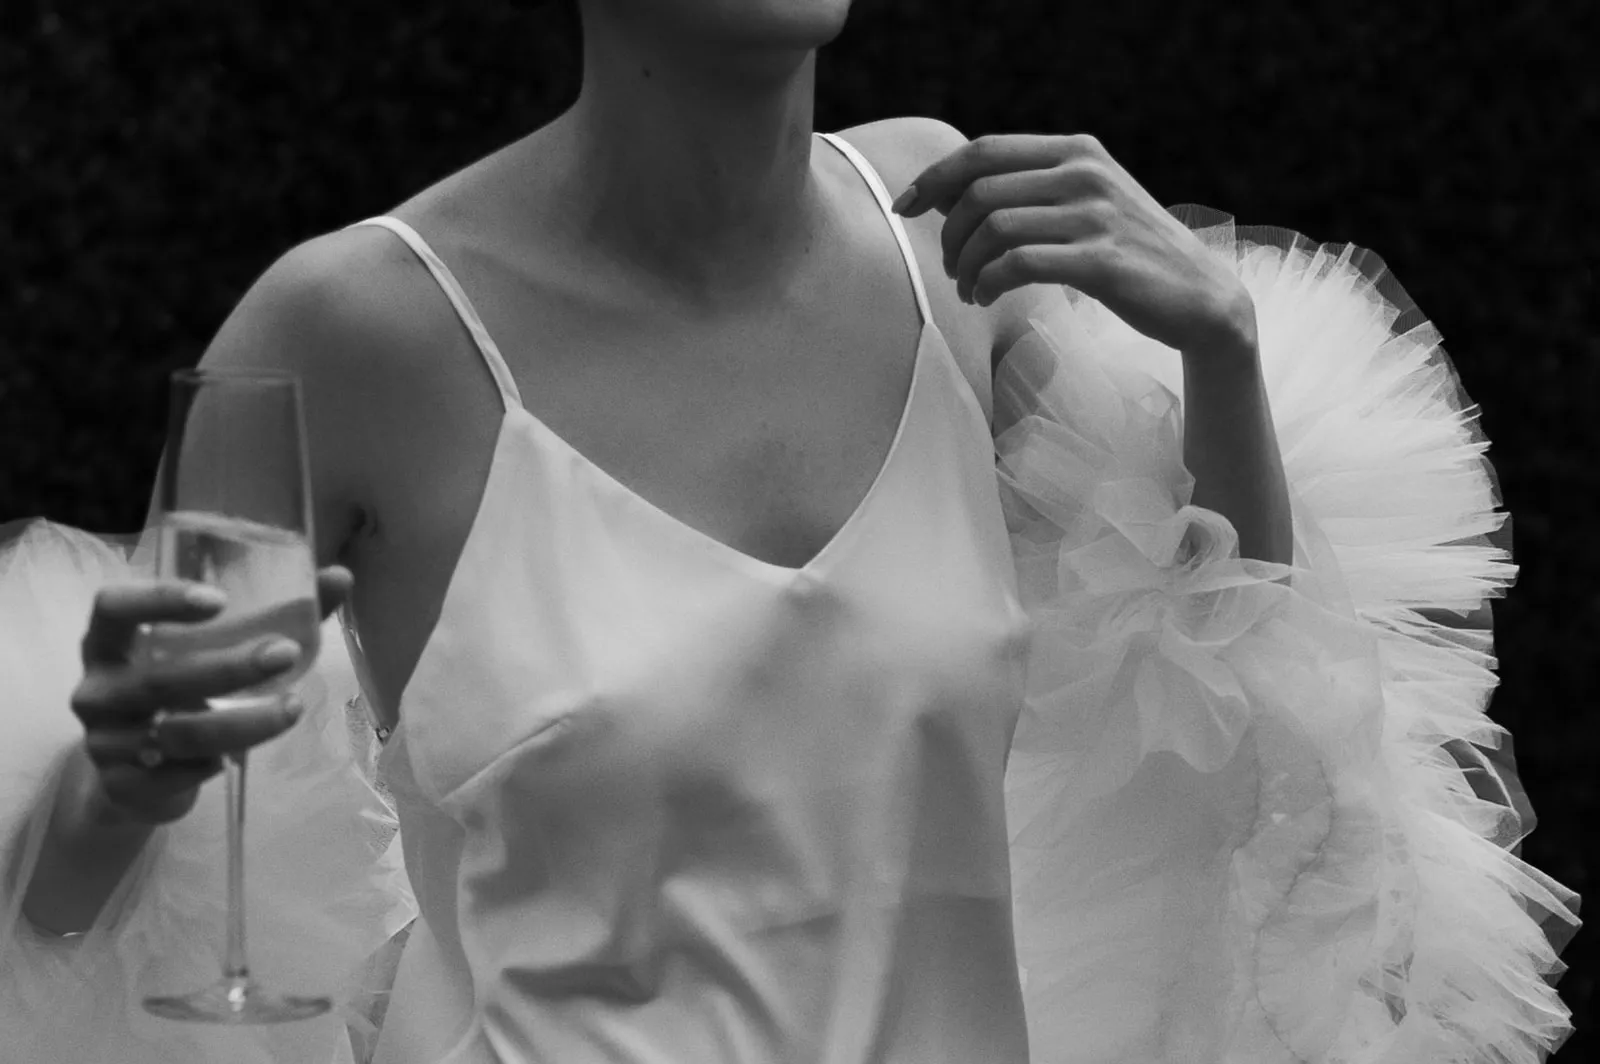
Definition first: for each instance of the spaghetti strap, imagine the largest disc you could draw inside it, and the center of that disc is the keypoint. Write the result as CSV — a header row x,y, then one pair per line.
x,y
509,394
886,204
458,299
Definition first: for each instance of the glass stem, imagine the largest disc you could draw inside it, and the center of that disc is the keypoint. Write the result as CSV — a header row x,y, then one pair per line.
x,y
234,965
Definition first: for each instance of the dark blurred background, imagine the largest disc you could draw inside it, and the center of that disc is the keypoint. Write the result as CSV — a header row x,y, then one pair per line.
x,y
161,153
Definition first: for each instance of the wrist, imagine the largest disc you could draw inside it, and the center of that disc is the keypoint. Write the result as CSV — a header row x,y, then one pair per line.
x,y
85,807
87,848
1234,343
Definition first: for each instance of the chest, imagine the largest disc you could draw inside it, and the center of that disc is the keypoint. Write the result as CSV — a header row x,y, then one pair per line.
x,y
762,432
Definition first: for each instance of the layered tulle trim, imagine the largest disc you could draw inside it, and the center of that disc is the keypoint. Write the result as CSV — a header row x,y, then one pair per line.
x,y
1241,824
325,884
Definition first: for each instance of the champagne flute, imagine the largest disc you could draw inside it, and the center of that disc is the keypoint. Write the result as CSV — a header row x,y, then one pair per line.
x,y
234,510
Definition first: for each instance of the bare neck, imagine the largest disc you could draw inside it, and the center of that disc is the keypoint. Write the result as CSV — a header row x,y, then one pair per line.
x,y
695,169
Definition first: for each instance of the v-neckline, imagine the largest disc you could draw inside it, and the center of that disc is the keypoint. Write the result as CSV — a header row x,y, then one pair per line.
x,y
782,574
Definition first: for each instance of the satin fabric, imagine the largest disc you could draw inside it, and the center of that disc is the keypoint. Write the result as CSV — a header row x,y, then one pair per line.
x,y
664,802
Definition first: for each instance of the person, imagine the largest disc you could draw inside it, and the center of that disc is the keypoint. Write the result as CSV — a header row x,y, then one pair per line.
x,y
770,659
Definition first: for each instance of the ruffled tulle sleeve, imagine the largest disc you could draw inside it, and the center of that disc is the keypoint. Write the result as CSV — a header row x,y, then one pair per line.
x,y
326,893
1258,813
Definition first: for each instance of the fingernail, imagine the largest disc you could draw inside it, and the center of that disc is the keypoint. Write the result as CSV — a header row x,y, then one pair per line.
x,y
907,198
278,653
205,596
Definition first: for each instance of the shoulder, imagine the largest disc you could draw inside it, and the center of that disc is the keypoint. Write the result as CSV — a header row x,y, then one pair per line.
x,y
355,312
900,149
354,288
349,313
903,148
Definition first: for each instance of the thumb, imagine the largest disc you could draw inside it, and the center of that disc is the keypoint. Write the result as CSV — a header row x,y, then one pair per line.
x,y
333,587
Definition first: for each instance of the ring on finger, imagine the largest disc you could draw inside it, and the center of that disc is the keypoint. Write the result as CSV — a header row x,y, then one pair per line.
x,y
151,755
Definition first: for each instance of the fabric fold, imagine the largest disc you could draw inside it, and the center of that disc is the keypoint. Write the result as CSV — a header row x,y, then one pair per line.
x,y
1242,822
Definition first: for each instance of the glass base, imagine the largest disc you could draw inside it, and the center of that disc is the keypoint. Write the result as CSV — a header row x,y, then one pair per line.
x,y
237,1000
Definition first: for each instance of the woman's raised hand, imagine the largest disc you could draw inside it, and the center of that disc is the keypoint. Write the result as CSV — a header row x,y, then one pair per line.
x,y
154,775
1025,208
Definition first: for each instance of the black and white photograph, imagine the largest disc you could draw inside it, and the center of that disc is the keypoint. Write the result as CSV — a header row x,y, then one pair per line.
x,y
798,532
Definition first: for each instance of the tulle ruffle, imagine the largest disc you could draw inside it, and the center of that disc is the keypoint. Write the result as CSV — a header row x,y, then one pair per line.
x,y
1240,795
325,884
1256,810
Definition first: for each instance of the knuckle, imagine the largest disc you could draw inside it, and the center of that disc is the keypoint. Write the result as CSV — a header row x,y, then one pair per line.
x,y
1025,261
1103,213
154,687
105,599
1085,143
84,700
101,755
1066,180
173,687
1001,225
1083,172
1095,260
179,739
94,699
1099,176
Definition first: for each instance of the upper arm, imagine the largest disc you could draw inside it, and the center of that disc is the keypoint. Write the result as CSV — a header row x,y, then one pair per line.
x,y
319,312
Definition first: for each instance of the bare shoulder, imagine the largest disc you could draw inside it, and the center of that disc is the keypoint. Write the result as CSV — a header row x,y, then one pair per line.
x,y
905,145
901,148
353,287
347,312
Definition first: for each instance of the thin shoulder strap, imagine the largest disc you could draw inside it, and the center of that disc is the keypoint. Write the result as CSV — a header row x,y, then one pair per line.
x,y
886,203
458,299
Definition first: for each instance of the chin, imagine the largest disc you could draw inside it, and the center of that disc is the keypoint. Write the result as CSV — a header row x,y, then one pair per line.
x,y
787,24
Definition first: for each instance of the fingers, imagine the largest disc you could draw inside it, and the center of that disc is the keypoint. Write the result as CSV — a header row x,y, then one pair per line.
x,y
209,734
117,697
1012,228
191,740
1066,190
333,588
119,609
940,185
124,696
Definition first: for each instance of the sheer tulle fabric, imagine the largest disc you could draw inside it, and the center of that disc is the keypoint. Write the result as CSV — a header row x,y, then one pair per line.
x,y
325,886
1243,822
1257,812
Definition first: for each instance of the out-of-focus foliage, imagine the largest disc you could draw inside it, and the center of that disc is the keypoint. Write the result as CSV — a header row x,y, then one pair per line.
x,y
158,154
